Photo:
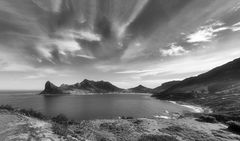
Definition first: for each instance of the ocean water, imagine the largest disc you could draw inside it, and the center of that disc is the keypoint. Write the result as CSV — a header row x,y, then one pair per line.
x,y
87,107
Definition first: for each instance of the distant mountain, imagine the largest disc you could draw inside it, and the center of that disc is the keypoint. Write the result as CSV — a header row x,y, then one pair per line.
x,y
165,86
224,79
140,89
85,87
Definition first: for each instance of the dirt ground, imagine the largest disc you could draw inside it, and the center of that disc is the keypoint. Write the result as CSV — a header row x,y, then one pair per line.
x,y
16,127
185,129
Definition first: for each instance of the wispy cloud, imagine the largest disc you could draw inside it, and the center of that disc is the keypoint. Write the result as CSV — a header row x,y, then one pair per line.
x,y
132,71
206,33
83,34
236,27
173,50
86,56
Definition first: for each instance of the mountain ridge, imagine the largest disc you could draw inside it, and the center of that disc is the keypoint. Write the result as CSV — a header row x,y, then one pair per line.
x,y
84,87
90,87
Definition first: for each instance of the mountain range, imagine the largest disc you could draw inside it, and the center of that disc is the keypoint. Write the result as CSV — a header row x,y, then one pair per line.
x,y
224,79
91,87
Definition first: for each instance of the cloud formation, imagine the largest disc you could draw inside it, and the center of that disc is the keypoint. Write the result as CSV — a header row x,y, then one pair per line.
x,y
115,40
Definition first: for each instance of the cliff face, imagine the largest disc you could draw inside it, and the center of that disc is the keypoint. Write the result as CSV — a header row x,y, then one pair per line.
x,y
86,86
224,79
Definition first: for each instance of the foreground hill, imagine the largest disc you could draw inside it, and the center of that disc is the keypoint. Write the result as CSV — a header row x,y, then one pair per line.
x,y
140,89
86,86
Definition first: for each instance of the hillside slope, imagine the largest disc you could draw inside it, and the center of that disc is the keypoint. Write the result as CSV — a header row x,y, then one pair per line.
x,y
224,79
165,86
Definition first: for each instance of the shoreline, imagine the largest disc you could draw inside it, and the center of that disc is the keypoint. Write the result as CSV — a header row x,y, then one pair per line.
x,y
90,94
195,108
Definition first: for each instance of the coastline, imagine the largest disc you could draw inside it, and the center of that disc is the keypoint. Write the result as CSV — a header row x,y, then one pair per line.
x,y
195,108
85,94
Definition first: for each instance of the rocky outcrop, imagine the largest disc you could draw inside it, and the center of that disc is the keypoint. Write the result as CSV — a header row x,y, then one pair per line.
x,y
140,89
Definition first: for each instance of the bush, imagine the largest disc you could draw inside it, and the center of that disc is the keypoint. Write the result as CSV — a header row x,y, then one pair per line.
x,y
205,118
174,129
234,126
32,113
137,121
157,138
59,129
221,117
123,117
61,119
7,107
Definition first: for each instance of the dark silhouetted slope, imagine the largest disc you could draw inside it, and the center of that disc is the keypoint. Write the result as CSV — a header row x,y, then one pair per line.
x,y
165,86
224,79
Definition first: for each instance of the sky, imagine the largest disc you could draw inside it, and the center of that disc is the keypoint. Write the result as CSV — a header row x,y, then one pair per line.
x,y
126,42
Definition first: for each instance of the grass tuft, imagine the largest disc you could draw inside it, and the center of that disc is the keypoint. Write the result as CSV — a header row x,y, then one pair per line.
x,y
234,126
157,138
206,118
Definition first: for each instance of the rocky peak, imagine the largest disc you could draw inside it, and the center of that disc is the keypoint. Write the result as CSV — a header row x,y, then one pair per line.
x,y
86,81
50,88
49,85
140,86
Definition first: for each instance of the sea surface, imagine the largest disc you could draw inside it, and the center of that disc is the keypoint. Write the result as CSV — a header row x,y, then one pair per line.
x,y
87,107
